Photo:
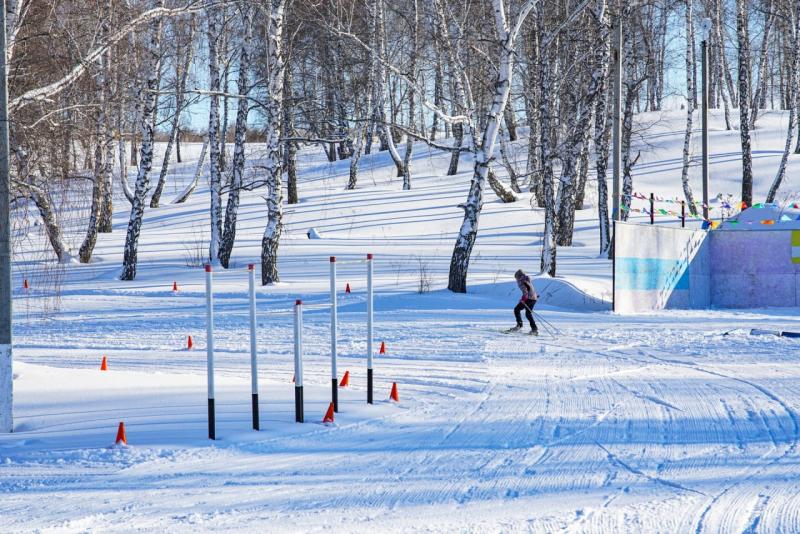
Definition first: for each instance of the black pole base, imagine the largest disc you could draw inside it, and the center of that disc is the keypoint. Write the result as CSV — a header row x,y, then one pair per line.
x,y
298,404
212,423
369,386
335,394
256,425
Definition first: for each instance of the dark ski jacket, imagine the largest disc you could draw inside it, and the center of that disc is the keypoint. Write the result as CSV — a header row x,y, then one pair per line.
x,y
525,285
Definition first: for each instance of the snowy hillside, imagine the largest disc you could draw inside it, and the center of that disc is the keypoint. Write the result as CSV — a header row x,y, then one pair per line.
x,y
669,422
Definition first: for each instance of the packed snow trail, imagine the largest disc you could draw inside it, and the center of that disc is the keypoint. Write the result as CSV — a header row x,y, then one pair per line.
x,y
583,432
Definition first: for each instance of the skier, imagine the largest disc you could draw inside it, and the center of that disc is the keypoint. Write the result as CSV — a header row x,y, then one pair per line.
x,y
527,302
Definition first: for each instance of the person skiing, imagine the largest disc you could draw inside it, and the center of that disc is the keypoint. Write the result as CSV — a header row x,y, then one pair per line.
x,y
526,302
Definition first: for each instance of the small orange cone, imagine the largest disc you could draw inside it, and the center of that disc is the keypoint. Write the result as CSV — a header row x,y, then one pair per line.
x,y
383,348
328,415
175,287
104,364
121,435
345,380
393,395
347,288
25,284
189,344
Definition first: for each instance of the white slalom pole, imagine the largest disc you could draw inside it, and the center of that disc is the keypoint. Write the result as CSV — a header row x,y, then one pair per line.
x,y
212,434
298,361
253,346
334,372
369,329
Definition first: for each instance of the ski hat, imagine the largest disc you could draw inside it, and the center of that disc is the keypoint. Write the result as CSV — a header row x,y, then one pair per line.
x,y
519,273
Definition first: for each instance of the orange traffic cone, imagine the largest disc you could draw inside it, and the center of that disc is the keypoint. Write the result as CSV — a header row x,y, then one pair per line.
x,y
175,287
347,288
328,415
121,435
26,286
393,395
345,380
383,348
189,344
104,364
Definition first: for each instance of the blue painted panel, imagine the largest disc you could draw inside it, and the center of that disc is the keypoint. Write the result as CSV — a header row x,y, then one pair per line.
x,y
651,274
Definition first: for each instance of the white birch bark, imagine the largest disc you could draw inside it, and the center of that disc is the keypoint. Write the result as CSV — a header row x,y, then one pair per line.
x,y
237,166
602,137
184,195
758,97
148,95
105,223
180,98
411,102
794,88
580,127
272,161
102,140
691,104
547,265
381,81
744,100
215,173
506,35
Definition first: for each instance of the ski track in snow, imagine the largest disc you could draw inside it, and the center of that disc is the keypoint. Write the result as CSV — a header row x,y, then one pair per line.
x,y
632,436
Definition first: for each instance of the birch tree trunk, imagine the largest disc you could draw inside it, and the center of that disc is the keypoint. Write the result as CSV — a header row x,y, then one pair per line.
x,y
794,89
459,263
463,102
85,252
382,80
744,101
691,104
105,223
580,128
411,101
290,147
237,166
719,64
215,171
602,138
758,97
272,123
548,259
180,98
184,195
102,138
147,94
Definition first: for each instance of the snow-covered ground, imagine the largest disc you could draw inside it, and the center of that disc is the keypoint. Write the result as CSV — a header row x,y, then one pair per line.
x,y
669,422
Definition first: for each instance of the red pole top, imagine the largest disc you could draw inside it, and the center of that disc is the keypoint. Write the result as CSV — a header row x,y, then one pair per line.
x,y
250,266
208,267
369,256
333,259
298,302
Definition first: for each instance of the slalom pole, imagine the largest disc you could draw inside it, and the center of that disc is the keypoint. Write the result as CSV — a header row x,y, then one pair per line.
x,y
334,372
298,361
210,352
253,346
369,329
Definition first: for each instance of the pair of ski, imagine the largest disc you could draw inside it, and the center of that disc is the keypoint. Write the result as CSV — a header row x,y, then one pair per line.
x,y
520,331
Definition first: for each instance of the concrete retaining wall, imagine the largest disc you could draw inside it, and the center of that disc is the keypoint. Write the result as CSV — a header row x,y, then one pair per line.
x,y
659,267
662,268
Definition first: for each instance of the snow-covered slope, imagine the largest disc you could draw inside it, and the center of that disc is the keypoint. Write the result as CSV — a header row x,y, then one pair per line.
x,y
671,422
